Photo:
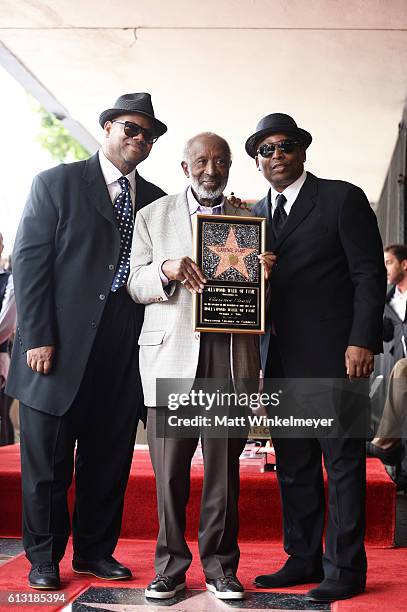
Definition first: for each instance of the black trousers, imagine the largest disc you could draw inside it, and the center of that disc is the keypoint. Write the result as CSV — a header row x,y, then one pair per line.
x,y
300,476
6,426
102,422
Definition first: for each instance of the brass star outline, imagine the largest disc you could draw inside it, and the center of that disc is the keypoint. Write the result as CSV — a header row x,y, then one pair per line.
x,y
231,255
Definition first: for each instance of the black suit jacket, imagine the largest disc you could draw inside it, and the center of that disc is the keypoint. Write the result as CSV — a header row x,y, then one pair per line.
x,y
64,260
329,283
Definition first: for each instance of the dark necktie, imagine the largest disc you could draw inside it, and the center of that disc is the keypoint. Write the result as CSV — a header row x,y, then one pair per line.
x,y
279,216
124,215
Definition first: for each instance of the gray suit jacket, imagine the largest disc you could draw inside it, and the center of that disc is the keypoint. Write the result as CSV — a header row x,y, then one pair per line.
x,y
169,348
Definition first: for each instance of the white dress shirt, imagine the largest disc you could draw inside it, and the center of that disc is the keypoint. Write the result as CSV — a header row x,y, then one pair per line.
x,y
112,174
398,302
291,193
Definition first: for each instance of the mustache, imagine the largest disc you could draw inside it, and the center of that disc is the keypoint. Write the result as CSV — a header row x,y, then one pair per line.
x,y
209,177
139,144
278,164
208,193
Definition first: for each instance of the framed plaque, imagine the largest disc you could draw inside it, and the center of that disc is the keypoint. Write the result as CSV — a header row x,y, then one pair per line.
x,y
226,248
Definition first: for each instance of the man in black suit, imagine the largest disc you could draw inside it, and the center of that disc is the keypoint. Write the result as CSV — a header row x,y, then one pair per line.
x,y
327,298
75,359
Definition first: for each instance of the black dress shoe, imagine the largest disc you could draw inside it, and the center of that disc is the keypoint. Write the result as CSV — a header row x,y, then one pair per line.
x,y
44,576
227,587
286,578
391,456
332,590
107,569
164,587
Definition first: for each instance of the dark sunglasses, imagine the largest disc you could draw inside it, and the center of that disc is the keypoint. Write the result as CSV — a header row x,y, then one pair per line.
x,y
132,129
269,148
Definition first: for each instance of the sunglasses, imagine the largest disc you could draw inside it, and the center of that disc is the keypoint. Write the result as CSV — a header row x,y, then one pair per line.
x,y
133,129
286,146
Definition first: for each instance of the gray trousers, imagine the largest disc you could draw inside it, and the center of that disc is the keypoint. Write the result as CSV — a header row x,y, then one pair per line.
x,y
219,521
171,459
392,426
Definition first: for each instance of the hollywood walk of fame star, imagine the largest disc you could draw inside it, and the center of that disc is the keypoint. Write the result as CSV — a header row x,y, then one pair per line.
x,y
201,602
231,256
197,601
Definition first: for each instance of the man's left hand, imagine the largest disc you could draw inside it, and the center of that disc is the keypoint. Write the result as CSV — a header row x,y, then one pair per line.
x,y
40,358
359,362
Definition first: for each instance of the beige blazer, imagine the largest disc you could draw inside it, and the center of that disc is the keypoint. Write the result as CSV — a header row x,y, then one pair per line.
x,y
169,348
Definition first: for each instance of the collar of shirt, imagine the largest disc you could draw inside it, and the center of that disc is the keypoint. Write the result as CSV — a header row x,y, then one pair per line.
x,y
195,207
291,193
111,174
399,302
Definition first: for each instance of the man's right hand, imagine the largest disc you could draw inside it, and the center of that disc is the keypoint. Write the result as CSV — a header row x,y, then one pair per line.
x,y
186,271
40,359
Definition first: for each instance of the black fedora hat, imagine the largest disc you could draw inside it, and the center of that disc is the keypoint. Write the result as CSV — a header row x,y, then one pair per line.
x,y
274,124
133,103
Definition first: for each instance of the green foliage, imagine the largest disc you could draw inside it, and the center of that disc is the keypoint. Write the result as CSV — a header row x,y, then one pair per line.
x,y
57,140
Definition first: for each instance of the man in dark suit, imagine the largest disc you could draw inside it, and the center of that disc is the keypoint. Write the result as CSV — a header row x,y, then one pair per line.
x,y
386,445
327,299
395,312
75,362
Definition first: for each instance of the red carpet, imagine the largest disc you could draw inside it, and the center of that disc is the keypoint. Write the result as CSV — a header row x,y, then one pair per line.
x,y
259,501
386,588
261,518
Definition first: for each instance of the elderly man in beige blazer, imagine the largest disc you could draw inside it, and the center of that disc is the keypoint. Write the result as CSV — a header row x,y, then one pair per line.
x,y
163,276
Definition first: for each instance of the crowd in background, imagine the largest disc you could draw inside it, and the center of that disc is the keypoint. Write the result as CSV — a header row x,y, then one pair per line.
x,y
7,329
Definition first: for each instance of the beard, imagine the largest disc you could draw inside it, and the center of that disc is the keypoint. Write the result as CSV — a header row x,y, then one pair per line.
x,y
208,194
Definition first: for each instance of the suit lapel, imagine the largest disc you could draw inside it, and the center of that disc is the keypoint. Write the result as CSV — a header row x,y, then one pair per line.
x,y
271,239
181,219
301,208
263,209
96,189
141,193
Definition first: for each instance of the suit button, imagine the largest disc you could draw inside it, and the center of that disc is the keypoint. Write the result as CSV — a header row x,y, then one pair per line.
x,y
102,296
93,325
111,267
197,335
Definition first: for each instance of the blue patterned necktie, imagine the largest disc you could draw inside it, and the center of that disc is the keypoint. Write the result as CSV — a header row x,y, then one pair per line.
x,y
124,215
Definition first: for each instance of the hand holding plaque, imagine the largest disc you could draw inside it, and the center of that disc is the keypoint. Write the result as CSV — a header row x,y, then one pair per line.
x,y
186,272
268,259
